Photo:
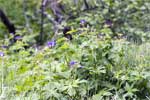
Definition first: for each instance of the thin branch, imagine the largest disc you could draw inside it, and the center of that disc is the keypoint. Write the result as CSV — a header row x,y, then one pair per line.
x,y
27,23
11,28
43,4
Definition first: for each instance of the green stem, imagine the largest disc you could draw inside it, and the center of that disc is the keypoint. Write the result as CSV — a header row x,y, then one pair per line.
x,y
2,84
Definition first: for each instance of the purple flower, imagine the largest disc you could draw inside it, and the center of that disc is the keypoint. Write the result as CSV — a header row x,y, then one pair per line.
x,y
1,54
51,43
82,21
108,22
72,63
18,37
4,47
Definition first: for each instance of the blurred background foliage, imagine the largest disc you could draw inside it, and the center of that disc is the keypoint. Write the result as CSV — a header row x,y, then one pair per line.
x,y
130,18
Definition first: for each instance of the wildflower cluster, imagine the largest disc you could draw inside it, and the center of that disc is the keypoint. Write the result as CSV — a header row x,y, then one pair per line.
x,y
51,43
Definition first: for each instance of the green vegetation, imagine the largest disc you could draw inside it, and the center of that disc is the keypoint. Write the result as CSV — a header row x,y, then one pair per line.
x,y
108,58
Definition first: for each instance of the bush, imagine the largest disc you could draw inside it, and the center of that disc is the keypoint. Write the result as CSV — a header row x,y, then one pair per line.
x,y
95,65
